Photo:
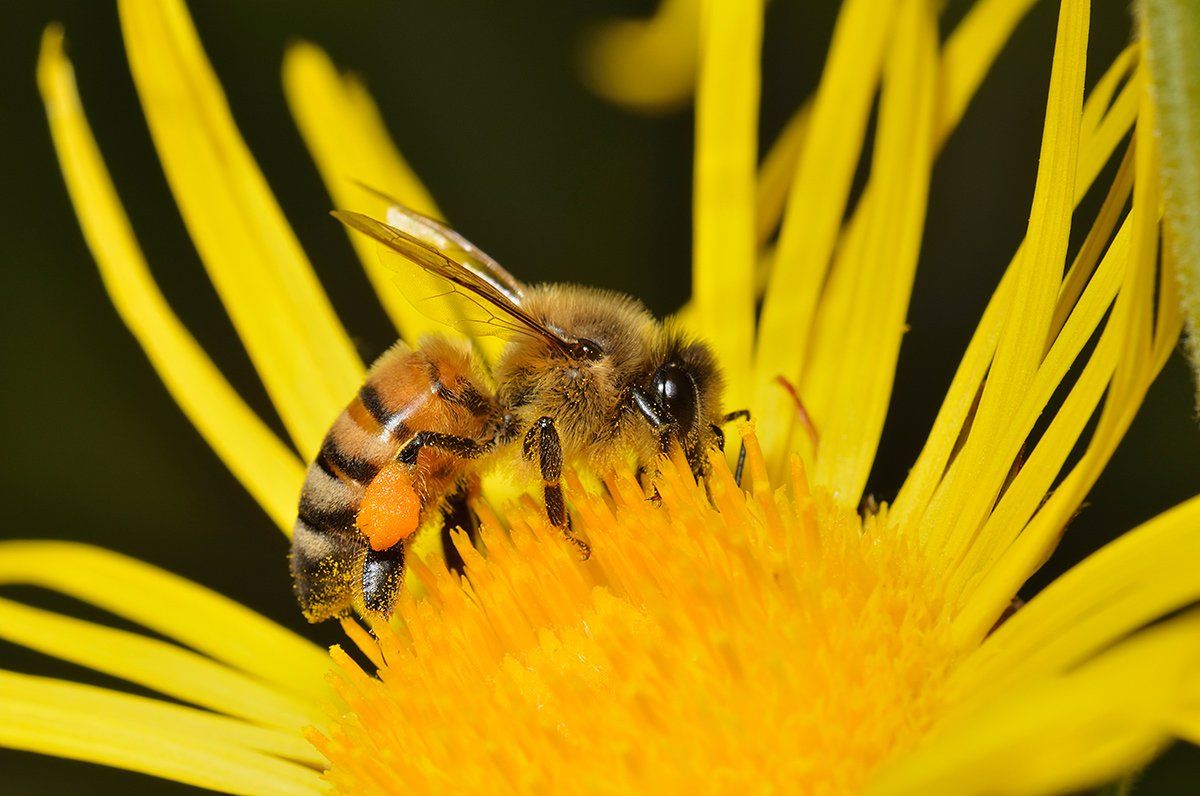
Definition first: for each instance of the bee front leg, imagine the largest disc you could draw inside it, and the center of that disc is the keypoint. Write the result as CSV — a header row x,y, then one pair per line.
x,y
542,441
739,414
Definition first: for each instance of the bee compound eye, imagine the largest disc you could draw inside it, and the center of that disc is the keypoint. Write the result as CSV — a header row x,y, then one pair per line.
x,y
675,391
587,349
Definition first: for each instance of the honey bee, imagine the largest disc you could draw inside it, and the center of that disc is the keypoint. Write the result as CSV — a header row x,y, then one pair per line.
x,y
587,375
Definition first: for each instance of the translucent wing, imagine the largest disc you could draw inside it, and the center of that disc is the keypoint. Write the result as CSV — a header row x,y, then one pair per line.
x,y
448,291
449,242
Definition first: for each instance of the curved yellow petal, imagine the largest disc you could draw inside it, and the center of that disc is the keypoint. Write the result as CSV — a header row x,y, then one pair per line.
x,y
1053,734
815,207
351,147
1131,582
929,470
862,317
978,472
177,608
724,202
1146,343
302,353
270,472
648,65
166,668
177,743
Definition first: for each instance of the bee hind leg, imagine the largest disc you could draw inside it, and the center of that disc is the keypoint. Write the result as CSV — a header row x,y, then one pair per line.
x,y
383,573
542,441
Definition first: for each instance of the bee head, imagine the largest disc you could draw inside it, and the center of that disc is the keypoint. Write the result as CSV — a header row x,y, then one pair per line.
x,y
686,391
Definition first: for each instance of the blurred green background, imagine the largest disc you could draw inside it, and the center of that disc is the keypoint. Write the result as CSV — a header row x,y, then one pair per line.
x,y
483,99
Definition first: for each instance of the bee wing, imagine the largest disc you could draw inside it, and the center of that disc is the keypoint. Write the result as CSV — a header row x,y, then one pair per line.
x,y
451,243
447,290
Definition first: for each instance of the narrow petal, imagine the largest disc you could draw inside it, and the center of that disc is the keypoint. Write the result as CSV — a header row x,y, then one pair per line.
x,y
270,472
179,609
164,667
177,743
344,132
862,318
298,346
726,154
1145,343
926,475
1051,734
816,205
977,474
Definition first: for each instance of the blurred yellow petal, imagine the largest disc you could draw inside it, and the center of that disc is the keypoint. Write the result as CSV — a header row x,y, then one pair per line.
x,y
862,320
1063,733
270,472
297,344
157,738
775,174
178,609
726,153
648,65
351,147
163,667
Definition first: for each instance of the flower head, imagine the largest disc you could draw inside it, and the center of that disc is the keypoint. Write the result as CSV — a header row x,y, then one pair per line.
x,y
779,637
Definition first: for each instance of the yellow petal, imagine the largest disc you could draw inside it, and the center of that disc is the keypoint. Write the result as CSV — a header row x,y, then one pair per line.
x,y
969,54
1142,576
301,351
270,472
1029,487
649,65
347,138
862,318
775,174
164,667
978,472
929,469
816,205
1145,346
190,746
1052,734
179,609
726,153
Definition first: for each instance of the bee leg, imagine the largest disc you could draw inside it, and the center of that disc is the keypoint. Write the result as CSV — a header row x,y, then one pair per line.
x,y
462,447
456,513
542,441
739,414
383,573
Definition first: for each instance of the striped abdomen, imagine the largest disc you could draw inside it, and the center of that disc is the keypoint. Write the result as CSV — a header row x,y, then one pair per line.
x,y
435,387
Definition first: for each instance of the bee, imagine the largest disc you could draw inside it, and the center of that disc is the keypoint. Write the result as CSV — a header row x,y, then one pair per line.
x,y
587,375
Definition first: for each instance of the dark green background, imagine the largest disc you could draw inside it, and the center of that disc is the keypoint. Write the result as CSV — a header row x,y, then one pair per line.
x,y
482,99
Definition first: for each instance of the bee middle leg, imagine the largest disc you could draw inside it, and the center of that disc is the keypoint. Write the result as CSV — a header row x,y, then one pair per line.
x,y
456,513
542,441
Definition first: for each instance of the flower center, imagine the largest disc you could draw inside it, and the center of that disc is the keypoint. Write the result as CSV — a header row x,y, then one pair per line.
x,y
714,639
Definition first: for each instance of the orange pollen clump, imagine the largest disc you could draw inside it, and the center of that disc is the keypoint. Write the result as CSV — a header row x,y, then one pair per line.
x,y
390,509
715,640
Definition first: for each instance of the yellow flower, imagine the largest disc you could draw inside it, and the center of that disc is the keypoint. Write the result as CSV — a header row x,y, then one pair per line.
x,y
775,639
